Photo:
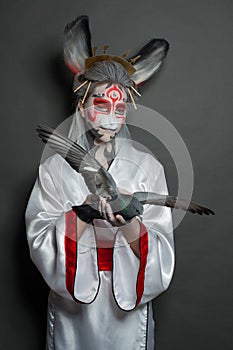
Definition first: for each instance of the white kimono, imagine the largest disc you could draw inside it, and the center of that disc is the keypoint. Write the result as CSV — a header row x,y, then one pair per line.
x,y
100,297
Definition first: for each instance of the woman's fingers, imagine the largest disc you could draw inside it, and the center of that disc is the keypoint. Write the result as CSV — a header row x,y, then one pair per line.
x,y
117,220
102,205
105,210
120,221
110,215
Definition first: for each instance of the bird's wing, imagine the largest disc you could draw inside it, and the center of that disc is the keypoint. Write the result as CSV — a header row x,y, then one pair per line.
x,y
172,202
97,179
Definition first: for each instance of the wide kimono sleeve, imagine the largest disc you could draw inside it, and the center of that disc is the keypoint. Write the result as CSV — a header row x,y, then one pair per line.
x,y
52,234
139,280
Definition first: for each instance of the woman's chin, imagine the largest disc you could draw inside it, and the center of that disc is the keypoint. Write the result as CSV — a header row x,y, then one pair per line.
x,y
105,138
106,135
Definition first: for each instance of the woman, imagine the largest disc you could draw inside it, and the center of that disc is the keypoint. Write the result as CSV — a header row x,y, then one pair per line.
x,y
103,275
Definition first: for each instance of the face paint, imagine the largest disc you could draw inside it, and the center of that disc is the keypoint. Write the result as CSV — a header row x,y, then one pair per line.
x,y
105,111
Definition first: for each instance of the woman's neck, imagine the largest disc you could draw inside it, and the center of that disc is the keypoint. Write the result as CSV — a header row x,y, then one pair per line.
x,y
104,152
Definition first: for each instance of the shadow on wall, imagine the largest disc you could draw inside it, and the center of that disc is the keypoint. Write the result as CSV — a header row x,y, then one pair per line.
x,y
60,79
31,288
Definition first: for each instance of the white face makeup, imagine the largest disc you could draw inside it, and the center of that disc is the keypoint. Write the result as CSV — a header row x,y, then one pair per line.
x,y
105,111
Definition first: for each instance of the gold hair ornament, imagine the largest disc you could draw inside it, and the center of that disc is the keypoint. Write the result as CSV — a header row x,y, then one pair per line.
x,y
135,91
81,85
132,99
128,65
104,57
87,89
94,49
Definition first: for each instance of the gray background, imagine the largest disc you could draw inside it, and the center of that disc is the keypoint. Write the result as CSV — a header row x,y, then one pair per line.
x,y
193,90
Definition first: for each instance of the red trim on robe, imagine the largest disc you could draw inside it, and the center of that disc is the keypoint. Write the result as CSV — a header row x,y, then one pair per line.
x,y
71,250
143,244
105,259
104,255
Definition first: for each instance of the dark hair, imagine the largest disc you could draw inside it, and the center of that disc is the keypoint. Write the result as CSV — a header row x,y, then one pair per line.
x,y
99,73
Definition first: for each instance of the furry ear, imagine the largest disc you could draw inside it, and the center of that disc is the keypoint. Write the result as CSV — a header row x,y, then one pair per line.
x,y
152,55
77,44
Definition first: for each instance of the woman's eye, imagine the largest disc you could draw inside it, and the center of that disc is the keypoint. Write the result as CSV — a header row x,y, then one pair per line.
x,y
121,112
102,105
120,109
102,108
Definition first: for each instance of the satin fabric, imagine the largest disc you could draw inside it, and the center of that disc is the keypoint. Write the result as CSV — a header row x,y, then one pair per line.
x,y
109,314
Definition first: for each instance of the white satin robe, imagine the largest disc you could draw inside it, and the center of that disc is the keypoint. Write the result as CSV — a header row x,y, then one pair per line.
x,y
90,309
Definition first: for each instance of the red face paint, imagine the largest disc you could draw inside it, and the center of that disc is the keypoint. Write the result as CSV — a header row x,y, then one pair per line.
x,y
102,105
91,116
105,109
114,93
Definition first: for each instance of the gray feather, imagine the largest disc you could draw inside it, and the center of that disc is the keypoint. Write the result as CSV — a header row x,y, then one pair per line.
x,y
77,44
101,183
97,179
152,55
172,202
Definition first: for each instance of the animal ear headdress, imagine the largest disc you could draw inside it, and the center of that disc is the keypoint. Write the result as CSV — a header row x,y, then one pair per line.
x,y
80,57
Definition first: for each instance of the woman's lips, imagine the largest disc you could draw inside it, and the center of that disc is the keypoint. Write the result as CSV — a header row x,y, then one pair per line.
x,y
106,129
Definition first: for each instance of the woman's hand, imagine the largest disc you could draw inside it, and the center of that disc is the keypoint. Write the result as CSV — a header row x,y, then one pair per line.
x,y
130,228
105,210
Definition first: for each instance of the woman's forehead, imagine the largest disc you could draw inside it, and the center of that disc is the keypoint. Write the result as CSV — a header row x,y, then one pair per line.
x,y
110,89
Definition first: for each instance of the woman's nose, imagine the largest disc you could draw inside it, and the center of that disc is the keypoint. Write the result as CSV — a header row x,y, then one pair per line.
x,y
112,117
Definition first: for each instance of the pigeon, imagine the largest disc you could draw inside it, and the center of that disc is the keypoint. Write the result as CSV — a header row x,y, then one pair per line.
x,y
100,183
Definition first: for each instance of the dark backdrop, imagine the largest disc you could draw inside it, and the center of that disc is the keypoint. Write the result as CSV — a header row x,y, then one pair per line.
x,y
193,91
